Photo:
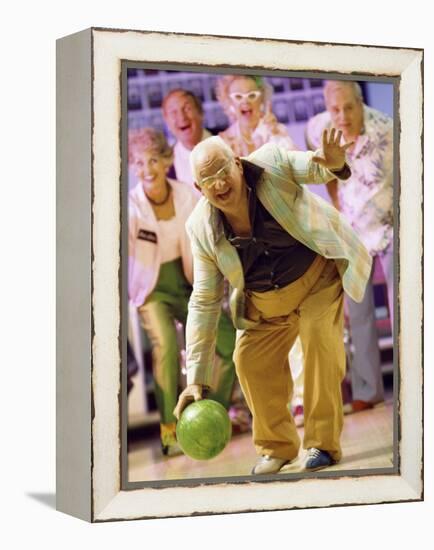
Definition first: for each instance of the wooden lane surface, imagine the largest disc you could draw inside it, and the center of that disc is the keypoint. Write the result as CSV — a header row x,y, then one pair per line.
x,y
367,443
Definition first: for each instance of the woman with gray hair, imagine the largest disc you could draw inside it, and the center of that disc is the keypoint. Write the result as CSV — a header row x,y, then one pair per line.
x,y
246,100
160,272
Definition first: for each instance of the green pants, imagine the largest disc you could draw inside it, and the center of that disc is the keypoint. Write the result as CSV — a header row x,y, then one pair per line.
x,y
169,303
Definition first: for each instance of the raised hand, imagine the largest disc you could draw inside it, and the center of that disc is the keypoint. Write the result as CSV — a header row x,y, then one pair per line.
x,y
333,152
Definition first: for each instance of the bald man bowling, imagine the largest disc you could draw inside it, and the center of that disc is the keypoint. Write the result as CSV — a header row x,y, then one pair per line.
x,y
288,256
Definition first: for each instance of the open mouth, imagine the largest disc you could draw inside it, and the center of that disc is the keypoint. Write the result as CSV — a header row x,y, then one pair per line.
x,y
224,196
184,128
246,111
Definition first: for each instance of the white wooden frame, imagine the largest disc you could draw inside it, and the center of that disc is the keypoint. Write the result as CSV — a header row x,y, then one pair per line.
x,y
89,268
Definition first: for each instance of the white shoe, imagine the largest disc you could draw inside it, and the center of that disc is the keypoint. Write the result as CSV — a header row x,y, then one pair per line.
x,y
269,465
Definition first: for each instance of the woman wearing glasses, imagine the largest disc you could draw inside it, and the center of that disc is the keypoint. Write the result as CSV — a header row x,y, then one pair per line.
x,y
246,101
160,273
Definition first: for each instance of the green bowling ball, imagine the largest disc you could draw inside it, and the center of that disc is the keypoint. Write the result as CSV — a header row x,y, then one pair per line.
x,y
204,429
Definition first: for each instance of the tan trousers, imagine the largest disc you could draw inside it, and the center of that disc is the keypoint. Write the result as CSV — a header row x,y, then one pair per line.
x,y
311,306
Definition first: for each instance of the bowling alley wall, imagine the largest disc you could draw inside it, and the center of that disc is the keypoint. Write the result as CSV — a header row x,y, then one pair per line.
x,y
295,100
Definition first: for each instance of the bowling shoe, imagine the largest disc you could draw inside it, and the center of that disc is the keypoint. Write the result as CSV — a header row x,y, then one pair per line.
x,y
171,450
317,460
269,465
169,445
357,406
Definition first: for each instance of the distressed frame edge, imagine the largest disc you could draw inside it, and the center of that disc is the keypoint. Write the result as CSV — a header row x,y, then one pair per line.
x,y
411,390
112,511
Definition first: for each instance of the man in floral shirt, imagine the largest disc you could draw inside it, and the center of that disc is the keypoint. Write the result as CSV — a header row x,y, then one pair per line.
x,y
366,199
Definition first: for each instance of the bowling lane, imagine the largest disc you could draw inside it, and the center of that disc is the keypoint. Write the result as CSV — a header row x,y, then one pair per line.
x,y
366,441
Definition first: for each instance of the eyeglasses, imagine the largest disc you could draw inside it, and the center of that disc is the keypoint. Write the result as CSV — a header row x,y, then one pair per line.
x,y
238,97
209,181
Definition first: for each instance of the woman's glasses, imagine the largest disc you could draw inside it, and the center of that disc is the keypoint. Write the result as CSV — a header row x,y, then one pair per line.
x,y
238,97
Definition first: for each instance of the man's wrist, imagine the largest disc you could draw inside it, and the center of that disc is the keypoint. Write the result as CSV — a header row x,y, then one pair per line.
x,y
204,387
342,173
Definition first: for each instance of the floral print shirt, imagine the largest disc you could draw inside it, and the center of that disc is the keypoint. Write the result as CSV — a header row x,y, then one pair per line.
x,y
366,198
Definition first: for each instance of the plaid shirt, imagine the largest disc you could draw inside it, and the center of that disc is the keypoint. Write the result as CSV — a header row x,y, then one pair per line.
x,y
306,216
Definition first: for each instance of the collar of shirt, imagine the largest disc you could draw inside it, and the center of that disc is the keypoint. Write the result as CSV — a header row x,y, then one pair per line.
x,y
252,174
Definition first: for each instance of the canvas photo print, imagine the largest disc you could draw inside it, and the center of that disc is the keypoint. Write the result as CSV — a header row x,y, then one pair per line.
x,y
260,275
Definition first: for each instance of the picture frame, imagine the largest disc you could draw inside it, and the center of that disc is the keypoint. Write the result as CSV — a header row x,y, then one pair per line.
x,y
90,338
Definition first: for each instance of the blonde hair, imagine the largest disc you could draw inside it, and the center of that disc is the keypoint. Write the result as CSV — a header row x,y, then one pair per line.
x,y
149,139
224,83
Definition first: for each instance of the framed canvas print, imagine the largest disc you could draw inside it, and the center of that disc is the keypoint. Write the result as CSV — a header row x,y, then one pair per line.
x,y
239,275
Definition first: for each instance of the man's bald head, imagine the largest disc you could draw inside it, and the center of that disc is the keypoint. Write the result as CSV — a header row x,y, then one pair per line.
x,y
219,175
208,156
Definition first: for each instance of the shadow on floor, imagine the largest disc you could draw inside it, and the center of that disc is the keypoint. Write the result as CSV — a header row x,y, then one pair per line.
x,y
49,499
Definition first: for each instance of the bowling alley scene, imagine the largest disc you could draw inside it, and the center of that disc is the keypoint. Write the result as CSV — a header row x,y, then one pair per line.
x,y
260,276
